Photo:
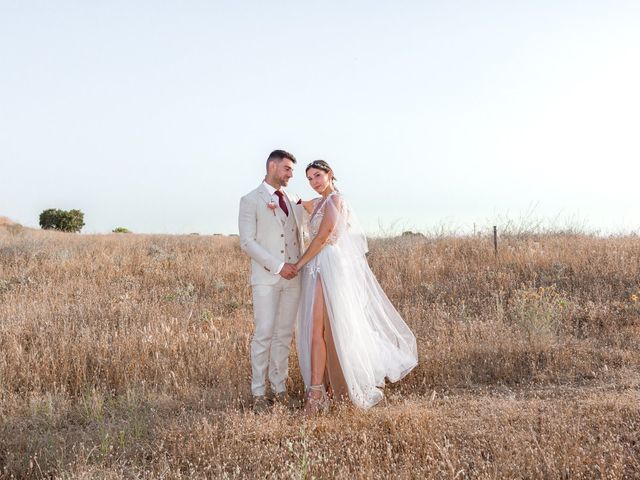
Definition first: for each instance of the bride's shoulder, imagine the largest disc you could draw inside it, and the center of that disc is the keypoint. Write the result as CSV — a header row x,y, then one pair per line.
x,y
336,198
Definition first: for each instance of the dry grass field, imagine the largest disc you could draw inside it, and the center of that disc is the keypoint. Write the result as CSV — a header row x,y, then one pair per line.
x,y
127,356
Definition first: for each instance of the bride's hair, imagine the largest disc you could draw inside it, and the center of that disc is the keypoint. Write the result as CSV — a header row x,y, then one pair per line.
x,y
321,165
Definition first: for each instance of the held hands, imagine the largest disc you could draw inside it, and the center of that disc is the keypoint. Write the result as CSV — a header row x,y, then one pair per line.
x,y
289,271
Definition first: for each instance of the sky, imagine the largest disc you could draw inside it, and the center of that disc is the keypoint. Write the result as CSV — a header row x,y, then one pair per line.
x,y
159,115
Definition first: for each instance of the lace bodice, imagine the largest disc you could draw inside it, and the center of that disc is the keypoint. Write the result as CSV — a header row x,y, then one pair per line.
x,y
316,219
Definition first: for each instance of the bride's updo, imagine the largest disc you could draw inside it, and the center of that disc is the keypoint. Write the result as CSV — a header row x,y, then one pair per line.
x,y
322,165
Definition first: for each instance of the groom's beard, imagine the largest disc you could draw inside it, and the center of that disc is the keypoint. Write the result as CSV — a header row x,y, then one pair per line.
x,y
276,182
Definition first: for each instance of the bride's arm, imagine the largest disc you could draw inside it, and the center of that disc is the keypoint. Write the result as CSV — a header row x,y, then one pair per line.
x,y
327,225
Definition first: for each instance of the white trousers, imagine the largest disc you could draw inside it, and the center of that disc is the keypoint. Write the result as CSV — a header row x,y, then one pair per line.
x,y
275,308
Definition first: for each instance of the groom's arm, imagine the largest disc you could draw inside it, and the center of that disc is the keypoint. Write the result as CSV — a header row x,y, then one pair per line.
x,y
247,226
301,214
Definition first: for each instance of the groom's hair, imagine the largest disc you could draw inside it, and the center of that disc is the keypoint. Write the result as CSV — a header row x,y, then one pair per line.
x,y
278,156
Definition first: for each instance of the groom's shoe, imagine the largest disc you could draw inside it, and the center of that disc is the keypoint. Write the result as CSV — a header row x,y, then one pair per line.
x,y
261,404
287,401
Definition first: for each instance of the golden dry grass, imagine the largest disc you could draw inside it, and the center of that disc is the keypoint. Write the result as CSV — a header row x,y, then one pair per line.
x,y
127,356
4,222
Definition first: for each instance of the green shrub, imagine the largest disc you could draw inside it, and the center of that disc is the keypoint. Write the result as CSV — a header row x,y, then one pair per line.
x,y
63,220
121,230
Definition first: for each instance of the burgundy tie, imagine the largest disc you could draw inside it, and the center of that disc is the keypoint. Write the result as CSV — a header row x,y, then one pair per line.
x,y
282,203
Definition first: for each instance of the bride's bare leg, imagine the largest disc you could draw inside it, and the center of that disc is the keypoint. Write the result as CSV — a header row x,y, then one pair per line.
x,y
318,347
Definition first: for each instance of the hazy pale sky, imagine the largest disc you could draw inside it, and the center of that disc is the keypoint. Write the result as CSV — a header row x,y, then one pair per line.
x,y
159,115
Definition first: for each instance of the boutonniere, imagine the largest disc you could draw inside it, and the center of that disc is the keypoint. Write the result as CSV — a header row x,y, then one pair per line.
x,y
272,206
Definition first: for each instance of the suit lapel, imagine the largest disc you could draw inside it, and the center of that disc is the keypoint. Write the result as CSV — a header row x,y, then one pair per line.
x,y
264,194
292,208
266,198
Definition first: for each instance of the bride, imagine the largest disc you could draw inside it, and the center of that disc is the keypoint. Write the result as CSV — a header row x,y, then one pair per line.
x,y
350,337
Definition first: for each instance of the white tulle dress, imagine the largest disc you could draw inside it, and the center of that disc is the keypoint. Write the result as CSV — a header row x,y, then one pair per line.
x,y
367,340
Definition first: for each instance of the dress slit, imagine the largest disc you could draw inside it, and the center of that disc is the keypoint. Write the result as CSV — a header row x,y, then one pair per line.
x,y
333,376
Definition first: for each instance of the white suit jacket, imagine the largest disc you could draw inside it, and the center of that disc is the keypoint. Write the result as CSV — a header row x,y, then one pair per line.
x,y
262,234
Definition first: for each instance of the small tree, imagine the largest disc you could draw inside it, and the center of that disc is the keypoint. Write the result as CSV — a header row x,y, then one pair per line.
x,y
63,220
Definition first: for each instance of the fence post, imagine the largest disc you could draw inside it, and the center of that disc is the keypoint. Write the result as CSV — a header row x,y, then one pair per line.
x,y
495,240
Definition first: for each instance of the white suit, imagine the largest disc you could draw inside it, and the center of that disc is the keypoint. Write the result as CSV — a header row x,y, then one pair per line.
x,y
271,238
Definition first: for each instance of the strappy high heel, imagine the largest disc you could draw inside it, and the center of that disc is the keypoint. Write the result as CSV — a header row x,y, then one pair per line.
x,y
313,405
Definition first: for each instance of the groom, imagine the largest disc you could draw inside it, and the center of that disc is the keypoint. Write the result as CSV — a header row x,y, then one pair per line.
x,y
270,229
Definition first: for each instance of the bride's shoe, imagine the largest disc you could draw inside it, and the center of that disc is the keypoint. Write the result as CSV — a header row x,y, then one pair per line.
x,y
313,405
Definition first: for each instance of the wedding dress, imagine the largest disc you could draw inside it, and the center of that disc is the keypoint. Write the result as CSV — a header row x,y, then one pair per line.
x,y
366,338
